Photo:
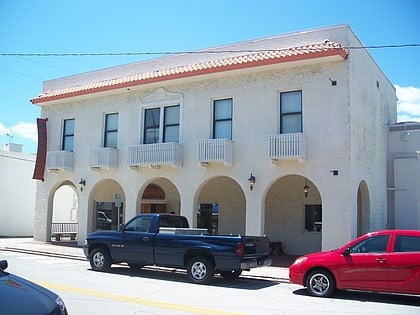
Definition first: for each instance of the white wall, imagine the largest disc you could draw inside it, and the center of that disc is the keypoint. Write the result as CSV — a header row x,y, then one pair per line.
x,y
18,191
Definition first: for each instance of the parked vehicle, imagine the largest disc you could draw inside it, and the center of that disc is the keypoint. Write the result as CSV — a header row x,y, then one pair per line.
x,y
20,296
103,221
166,240
383,261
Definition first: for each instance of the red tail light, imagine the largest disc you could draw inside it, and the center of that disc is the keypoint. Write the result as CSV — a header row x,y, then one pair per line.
x,y
240,249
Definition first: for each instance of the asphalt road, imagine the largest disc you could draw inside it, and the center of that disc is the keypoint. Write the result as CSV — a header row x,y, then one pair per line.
x,y
168,291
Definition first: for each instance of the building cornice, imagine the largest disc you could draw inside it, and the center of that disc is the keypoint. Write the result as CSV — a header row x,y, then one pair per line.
x,y
241,61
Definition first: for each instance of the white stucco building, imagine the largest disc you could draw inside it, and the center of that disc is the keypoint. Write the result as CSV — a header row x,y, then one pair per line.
x,y
184,133
18,191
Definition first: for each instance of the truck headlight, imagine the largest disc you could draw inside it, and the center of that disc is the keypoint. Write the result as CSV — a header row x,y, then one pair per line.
x,y
61,305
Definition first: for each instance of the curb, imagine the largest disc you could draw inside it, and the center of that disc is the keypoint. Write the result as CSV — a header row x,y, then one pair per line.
x,y
43,253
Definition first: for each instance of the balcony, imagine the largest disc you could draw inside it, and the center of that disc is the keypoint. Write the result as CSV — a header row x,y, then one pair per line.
x,y
60,161
215,151
103,159
155,155
287,147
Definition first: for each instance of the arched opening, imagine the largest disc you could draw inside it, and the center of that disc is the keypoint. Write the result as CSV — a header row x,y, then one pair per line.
x,y
363,209
65,213
221,207
108,202
160,196
293,215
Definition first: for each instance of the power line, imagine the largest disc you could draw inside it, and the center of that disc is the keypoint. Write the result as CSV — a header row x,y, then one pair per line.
x,y
192,52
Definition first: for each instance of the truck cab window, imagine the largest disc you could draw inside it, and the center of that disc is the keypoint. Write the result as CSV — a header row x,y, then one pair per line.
x,y
140,224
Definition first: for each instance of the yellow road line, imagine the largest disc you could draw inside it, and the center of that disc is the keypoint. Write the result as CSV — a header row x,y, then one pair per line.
x,y
134,300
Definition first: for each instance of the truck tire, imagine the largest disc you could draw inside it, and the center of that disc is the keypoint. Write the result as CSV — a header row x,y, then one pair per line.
x,y
231,275
200,270
320,283
99,259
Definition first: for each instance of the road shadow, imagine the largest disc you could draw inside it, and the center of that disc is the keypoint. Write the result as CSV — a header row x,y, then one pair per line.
x,y
362,296
179,275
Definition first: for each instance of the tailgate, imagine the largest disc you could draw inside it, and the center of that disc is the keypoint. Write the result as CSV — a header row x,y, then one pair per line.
x,y
256,246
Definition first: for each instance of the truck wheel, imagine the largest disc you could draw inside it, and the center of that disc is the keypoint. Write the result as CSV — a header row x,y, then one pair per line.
x,y
320,283
230,275
100,260
200,270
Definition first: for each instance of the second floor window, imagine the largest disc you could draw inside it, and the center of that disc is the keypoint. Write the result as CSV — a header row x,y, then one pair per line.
x,y
161,124
111,131
68,135
291,112
222,119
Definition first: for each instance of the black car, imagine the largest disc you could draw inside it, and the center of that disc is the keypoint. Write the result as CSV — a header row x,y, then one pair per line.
x,y
20,296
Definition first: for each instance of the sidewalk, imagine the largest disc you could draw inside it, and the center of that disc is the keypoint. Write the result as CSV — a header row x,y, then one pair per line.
x,y
278,271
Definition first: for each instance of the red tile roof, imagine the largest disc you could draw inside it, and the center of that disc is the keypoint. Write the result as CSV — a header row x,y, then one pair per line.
x,y
252,59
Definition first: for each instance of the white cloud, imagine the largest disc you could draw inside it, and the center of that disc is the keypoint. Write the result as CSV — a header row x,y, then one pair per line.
x,y
408,103
22,130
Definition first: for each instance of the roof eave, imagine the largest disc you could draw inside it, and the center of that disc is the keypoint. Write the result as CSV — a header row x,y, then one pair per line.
x,y
238,66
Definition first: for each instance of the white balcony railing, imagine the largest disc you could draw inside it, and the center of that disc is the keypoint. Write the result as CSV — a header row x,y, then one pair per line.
x,y
289,146
155,155
60,161
215,150
103,158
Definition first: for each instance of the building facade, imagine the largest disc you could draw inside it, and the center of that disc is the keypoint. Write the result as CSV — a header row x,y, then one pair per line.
x,y
404,176
283,136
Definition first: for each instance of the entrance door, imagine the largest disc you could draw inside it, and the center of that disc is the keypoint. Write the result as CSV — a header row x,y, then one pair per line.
x,y
207,217
153,208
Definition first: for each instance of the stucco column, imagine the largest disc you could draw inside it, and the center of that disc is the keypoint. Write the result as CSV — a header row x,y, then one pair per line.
x,y
254,213
85,225
130,205
188,207
43,212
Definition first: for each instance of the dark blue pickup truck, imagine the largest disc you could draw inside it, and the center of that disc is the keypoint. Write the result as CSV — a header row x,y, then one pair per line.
x,y
166,240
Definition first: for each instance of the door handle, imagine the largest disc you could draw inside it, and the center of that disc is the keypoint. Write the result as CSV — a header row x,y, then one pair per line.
x,y
381,260
145,238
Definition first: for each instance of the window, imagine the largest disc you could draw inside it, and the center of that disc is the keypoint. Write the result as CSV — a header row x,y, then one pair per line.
x,y
154,118
139,224
111,131
171,123
173,221
222,119
404,243
68,135
374,244
291,112
313,218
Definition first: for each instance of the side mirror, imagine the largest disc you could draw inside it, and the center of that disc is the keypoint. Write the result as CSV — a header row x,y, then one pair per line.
x,y
347,251
121,227
3,264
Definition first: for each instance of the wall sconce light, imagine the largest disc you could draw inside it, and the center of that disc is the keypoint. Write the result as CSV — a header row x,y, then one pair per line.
x,y
251,181
82,184
306,189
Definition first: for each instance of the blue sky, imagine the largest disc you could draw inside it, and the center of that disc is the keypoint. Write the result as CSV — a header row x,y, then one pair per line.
x,y
109,26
